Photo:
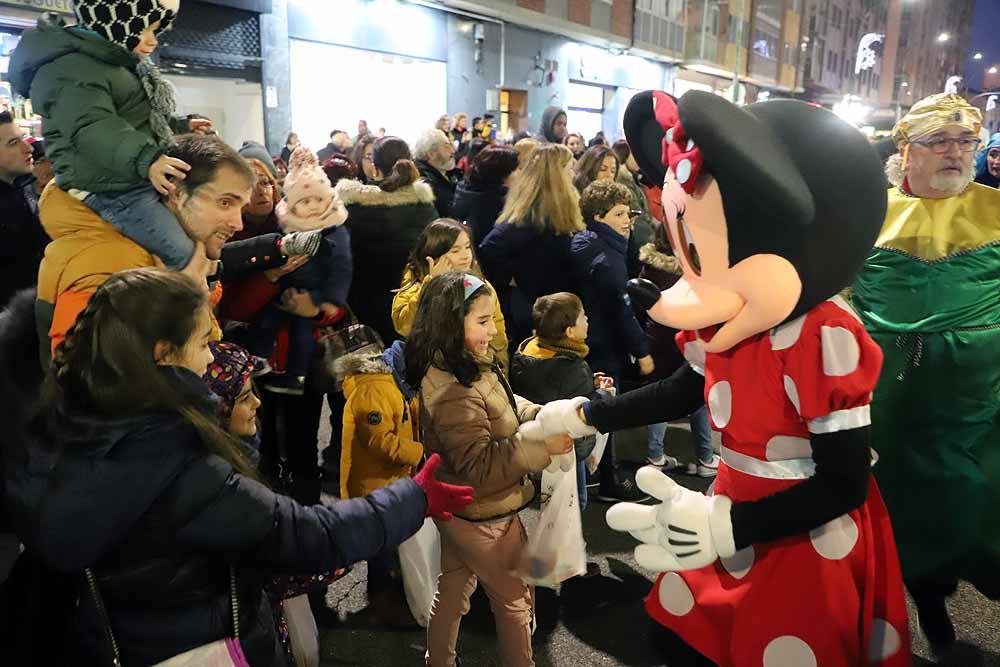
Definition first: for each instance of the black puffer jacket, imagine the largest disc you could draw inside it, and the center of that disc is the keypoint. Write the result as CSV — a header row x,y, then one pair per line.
x,y
139,501
479,207
22,239
384,229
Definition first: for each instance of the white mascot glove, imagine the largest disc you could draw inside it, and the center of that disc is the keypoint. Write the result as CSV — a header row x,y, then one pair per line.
x,y
686,531
564,462
558,417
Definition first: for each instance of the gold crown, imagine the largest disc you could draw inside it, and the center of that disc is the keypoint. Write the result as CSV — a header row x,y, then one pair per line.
x,y
935,112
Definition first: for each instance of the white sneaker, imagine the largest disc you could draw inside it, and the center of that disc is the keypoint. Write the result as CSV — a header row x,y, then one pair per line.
x,y
709,468
664,462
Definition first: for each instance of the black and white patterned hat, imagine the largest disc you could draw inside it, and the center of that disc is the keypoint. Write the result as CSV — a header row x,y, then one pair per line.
x,y
123,21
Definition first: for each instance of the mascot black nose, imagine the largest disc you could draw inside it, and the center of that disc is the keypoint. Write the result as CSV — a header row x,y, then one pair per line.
x,y
643,294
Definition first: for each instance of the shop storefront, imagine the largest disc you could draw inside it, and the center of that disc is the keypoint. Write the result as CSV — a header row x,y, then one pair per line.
x,y
15,17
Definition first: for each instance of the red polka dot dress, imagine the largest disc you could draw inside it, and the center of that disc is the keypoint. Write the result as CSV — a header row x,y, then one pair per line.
x,y
829,598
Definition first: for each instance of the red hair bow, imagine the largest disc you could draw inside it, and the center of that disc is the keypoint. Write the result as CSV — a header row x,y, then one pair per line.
x,y
679,152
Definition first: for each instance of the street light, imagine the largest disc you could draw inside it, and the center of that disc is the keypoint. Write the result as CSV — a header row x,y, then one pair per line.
x,y
978,56
943,37
992,70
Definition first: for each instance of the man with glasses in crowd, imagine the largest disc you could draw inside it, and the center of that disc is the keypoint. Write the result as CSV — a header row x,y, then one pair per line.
x,y
930,296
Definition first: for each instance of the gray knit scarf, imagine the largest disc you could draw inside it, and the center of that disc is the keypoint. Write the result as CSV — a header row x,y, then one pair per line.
x,y
161,101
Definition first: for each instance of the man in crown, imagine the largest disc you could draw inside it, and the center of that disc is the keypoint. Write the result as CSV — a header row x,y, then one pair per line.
x,y
929,295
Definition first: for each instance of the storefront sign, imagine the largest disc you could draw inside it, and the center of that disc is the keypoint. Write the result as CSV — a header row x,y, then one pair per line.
x,y
59,6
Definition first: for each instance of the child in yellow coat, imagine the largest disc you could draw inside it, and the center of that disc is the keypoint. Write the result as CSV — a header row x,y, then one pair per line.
x,y
381,443
445,245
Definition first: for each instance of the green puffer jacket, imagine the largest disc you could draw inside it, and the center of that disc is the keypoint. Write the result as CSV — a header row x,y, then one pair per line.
x,y
95,112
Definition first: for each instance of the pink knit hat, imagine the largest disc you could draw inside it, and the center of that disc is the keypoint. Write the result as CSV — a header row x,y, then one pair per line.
x,y
305,178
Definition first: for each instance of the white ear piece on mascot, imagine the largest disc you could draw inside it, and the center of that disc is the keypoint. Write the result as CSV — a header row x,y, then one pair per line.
x,y
690,529
558,417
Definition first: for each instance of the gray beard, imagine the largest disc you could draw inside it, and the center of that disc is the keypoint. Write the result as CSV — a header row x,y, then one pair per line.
x,y
953,185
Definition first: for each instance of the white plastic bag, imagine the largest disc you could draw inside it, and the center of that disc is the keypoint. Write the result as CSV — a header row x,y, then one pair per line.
x,y
420,563
302,631
556,550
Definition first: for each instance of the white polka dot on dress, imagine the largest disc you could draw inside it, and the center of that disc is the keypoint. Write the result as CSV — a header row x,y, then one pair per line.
x,y
670,135
835,539
694,354
720,403
739,563
690,145
683,171
675,596
788,651
787,334
885,641
793,393
841,352
784,447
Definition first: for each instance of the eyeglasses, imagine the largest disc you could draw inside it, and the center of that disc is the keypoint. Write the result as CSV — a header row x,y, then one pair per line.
x,y
943,145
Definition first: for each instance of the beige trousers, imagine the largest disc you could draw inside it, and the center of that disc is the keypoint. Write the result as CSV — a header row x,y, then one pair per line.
x,y
486,552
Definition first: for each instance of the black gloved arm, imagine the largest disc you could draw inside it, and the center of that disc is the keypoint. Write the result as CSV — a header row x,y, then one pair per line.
x,y
839,485
672,398
240,258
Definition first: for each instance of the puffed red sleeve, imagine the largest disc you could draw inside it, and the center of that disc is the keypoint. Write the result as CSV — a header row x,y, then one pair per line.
x,y
692,349
831,371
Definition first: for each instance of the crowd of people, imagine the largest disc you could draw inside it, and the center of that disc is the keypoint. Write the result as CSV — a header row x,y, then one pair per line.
x,y
177,311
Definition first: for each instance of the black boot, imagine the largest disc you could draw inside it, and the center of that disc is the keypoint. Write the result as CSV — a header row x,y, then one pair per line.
x,y
934,621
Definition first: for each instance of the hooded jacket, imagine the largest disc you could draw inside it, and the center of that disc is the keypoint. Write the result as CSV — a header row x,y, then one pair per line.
x,y
599,259
162,520
384,229
474,429
549,117
95,111
381,436
983,175
478,207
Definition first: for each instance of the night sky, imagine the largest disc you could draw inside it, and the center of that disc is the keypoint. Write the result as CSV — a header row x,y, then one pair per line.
x,y
984,39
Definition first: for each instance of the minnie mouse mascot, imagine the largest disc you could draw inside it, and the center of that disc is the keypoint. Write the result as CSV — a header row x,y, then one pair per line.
x,y
771,210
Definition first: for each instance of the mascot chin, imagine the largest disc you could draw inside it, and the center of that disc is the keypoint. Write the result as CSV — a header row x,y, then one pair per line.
x,y
771,210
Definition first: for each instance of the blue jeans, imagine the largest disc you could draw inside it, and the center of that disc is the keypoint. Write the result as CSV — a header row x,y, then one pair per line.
x,y
701,432
140,215
581,483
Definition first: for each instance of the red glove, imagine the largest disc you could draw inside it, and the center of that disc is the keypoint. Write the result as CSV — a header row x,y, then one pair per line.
x,y
442,499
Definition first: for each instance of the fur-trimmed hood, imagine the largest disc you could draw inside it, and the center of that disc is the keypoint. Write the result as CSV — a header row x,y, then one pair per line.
x,y
357,193
648,254
361,363
390,362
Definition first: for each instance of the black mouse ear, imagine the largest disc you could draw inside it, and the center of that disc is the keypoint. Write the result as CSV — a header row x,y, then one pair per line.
x,y
645,137
747,158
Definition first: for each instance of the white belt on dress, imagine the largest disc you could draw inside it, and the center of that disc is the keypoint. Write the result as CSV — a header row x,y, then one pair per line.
x,y
785,469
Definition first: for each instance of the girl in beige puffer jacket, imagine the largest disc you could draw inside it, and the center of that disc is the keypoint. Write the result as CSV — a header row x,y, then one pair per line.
x,y
471,418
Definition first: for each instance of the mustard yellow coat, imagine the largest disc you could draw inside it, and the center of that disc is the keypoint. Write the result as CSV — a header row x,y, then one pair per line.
x,y
381,440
